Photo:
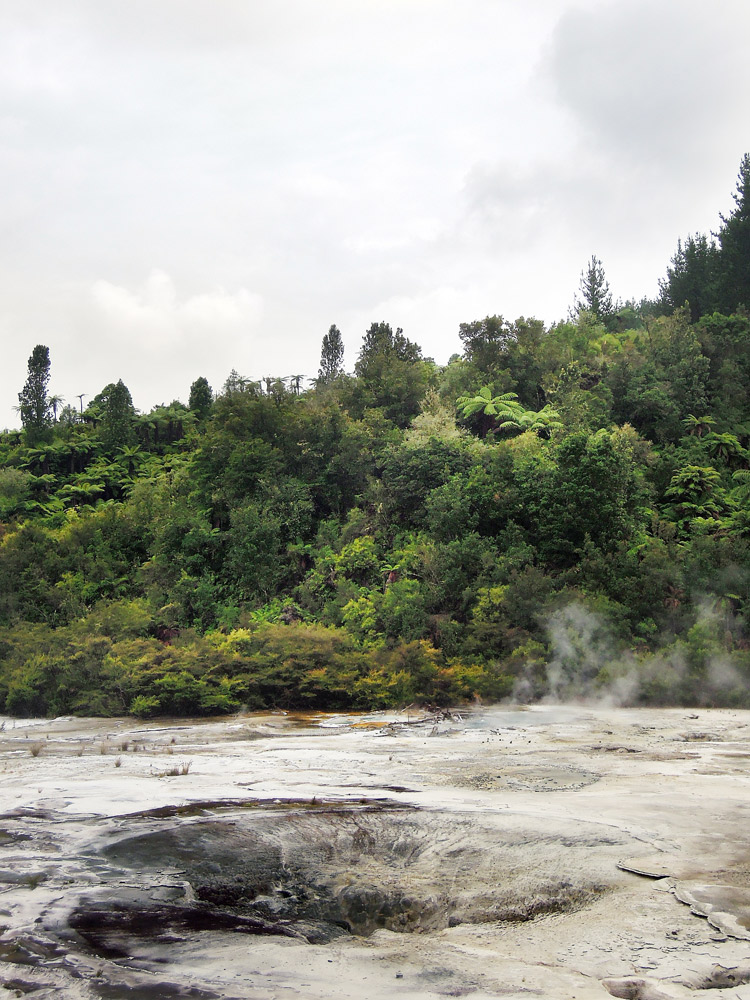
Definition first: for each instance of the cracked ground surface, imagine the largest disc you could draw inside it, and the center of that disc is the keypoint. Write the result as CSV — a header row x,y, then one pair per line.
x,y
561,852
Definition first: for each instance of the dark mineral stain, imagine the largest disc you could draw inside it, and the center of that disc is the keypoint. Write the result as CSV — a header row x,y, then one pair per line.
x,y
109,927
155,991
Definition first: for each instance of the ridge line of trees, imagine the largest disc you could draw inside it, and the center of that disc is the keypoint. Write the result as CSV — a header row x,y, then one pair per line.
x,y
558,511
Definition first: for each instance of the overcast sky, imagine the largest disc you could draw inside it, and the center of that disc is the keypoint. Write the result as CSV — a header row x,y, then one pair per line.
x,y
191,186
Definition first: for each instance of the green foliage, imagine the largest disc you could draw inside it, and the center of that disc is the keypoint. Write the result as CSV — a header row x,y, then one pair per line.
x,y
692,277
486,343
34,405
734,241
714,276
507,414
656,392
725,342
503,406
359,561
117,416
408,474
331,356
595,296
145,706
201,398
695,493
391,376
15,490
352,546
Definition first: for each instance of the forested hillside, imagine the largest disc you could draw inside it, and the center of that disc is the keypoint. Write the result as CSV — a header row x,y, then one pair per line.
x,y
557,511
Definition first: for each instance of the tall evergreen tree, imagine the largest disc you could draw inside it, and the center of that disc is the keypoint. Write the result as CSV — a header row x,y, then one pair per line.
x,y
381,342
734,242
117,415
391,373
692,277
33,399
331,356
201,398
595,296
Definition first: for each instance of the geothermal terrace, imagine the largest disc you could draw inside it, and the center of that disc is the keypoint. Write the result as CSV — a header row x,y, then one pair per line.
x,y
553,851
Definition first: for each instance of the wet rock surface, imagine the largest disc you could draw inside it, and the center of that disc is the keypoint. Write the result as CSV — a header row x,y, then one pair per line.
x,y
317,872
547,852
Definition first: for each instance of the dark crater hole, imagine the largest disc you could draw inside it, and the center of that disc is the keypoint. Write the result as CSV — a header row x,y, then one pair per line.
x,y
318,874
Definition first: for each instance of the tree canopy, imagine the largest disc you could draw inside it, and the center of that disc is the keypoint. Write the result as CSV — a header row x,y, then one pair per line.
x,y
34,402
331,356
409,532
595,296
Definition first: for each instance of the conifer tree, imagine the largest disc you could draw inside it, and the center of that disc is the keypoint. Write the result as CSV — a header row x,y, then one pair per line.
x,y
691,277
381,342
201,398
33,401
331,356
117,415
734,242
595,295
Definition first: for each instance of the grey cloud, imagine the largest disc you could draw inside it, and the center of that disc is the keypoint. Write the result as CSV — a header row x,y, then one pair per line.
x,y
654,80
651,130
418,161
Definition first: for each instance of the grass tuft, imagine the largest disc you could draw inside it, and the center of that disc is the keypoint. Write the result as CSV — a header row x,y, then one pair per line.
x,y
173,772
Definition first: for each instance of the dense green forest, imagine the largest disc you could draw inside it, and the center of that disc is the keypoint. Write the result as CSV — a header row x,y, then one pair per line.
x,y
558,511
